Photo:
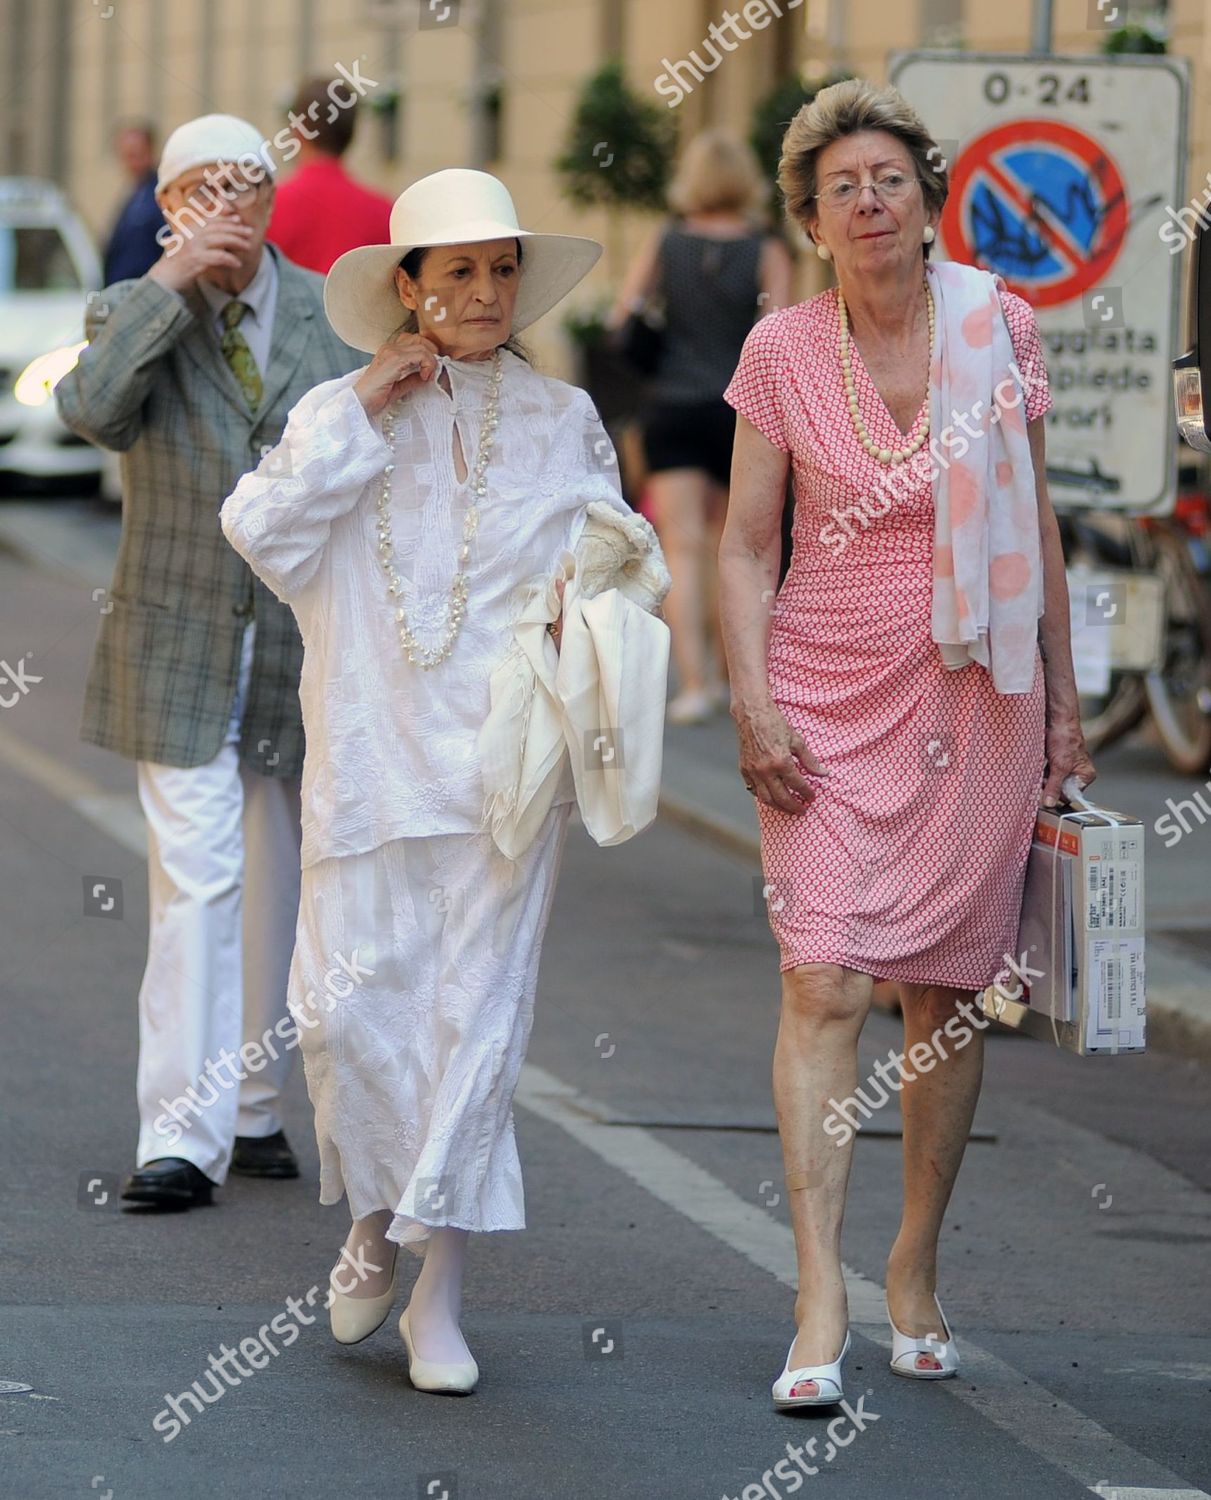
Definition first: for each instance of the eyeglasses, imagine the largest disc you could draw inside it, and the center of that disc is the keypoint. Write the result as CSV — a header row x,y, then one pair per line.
x,y
228,189
888,187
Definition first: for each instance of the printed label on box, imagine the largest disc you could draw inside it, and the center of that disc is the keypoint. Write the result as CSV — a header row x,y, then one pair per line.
x,y
1116,993
1112,889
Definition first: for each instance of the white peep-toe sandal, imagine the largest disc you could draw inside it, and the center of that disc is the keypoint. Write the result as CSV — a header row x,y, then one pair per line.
x,y
826,1378
906,1353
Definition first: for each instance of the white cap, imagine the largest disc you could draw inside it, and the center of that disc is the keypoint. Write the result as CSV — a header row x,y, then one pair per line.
x,y
214,138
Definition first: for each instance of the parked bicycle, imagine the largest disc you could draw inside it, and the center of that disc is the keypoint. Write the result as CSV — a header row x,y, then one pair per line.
x,y
1174,550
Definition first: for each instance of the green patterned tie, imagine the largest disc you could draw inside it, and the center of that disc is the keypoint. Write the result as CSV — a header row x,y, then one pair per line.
x,y
238,355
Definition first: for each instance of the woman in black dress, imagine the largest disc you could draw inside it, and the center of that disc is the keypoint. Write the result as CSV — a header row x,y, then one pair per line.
x,y
716,266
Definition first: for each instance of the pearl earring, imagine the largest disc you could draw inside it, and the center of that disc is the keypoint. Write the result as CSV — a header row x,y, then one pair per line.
x,y
824,252
928,236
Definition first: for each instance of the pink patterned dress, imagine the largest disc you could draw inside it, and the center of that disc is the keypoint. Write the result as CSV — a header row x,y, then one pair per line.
x,y
909,862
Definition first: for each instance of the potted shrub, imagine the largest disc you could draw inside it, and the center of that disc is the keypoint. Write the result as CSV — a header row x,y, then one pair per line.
x,y
617,156
774,112
618,153
1146,38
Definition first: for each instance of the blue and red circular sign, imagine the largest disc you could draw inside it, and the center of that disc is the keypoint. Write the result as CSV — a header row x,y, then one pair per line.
x,y
1042,204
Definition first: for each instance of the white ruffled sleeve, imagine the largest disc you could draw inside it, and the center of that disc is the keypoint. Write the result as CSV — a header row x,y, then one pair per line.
x,y
279,516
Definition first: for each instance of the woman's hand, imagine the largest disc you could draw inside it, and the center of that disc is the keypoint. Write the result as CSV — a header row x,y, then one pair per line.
x,y
774,757
556,627
405,361
1066,756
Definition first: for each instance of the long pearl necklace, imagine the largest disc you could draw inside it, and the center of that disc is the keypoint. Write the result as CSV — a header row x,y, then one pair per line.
x,y
884,455
427,657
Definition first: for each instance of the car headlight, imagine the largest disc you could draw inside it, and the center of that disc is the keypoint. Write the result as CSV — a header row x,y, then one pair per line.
x,y
39,378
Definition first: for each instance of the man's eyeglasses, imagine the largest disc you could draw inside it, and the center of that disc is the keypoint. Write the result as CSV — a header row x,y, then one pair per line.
x,y
888,187
226,189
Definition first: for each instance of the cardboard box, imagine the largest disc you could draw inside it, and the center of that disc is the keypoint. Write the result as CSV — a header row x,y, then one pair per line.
x,y
1078,975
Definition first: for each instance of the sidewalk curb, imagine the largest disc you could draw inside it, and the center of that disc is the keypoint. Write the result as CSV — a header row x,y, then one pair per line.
x,y
1176,1031
1171,1029
711,827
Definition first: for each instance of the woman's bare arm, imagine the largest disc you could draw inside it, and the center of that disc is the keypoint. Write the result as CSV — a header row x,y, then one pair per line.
x,y
1066,753
772,755
639,281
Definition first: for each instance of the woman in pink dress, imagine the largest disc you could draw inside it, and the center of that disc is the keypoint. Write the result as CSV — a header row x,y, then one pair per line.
x,y
908,696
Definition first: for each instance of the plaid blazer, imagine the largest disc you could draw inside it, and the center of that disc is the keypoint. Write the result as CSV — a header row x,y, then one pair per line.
x,y
154,385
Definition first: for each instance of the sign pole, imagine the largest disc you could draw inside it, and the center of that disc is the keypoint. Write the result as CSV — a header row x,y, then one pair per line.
x,y
1042,26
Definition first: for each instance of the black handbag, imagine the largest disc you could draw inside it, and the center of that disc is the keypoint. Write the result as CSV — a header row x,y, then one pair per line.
x,y
641,340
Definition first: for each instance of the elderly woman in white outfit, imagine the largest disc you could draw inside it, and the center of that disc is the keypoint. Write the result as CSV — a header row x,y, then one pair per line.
x,y
411,511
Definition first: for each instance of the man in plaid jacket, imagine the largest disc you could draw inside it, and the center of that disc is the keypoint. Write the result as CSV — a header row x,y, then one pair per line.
x,y
190,372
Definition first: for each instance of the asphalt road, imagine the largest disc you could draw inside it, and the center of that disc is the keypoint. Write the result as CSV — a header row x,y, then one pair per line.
x,y
1074,1267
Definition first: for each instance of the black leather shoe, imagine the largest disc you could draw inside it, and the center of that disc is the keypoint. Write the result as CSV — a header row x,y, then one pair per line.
x,y
167,1182
264,1156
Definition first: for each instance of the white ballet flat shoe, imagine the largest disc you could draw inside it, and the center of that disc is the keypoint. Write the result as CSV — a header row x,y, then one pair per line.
x,y
455,1379
906,1352
353,1319
827,1379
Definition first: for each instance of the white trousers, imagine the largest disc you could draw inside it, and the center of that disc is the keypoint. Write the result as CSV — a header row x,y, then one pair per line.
x,y
413,982
223,883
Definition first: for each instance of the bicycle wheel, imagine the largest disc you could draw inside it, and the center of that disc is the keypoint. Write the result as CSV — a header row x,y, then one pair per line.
x,y
1107,719
1179,695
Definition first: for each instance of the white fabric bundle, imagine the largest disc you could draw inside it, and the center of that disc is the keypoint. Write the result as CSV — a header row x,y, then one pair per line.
x,y
599,701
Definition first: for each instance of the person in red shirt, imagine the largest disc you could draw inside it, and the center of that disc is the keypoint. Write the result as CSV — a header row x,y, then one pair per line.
x,y
321,212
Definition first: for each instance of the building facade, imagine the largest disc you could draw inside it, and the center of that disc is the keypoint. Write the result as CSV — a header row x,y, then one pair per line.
x,y
489,83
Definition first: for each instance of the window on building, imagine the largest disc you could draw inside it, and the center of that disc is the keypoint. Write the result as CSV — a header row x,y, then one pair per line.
x,y
941,23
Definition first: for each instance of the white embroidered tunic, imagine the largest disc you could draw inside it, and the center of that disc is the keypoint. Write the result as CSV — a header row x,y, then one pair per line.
x,y
391,747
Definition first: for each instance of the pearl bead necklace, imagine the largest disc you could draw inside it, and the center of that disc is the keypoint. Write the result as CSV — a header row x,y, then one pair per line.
x,y
884,455
427,657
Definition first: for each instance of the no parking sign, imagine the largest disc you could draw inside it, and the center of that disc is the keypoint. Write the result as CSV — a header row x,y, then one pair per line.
x,y
1041,202
1063,174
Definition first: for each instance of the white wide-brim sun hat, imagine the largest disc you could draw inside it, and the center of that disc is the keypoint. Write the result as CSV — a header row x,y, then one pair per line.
x,y
455,206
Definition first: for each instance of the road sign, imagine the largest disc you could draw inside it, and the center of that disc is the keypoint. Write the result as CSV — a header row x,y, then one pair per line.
x,y
1067,178
1042,203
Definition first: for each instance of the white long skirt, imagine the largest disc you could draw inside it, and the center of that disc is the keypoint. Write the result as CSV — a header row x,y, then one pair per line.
x,y
412,1068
